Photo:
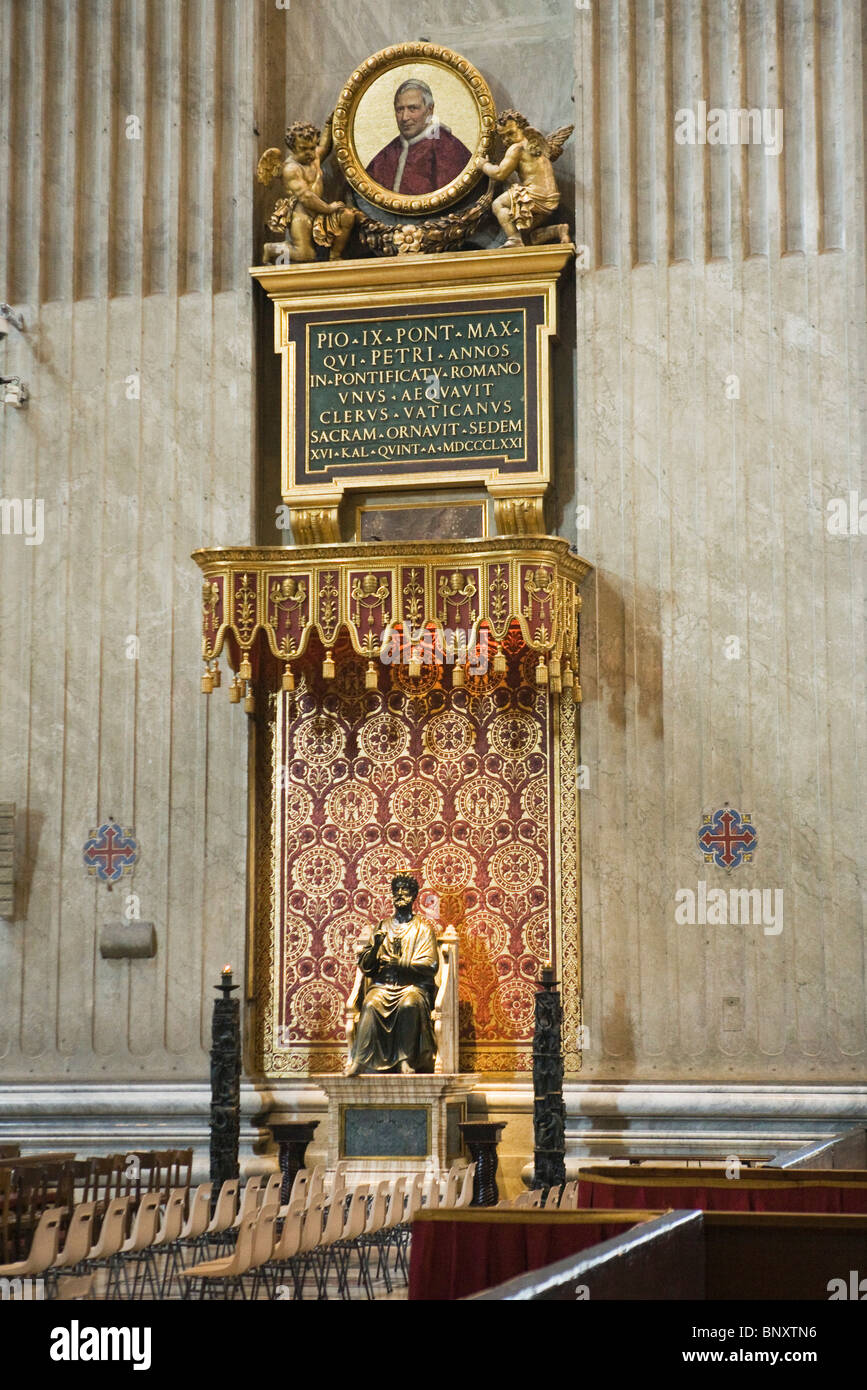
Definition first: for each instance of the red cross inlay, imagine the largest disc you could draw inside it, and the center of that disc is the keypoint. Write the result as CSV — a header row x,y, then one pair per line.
x,y
727,842
111,854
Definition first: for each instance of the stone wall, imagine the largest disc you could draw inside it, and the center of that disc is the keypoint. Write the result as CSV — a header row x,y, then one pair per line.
x,y
125,199
707,501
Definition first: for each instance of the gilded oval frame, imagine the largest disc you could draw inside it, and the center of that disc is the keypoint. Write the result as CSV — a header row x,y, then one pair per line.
x,y
346,110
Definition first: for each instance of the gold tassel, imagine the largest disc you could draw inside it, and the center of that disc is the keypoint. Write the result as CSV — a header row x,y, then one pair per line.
x,y
245,670
554,673
371,677
541,672
414,668
576,694
568,676
216,676
501,666
328,668
207,682
249,701
235,692
288,677
458,678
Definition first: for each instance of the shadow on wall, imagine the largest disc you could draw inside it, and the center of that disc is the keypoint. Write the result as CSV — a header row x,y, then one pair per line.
x,y
625,648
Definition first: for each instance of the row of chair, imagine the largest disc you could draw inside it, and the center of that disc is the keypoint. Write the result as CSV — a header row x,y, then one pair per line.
x,y
437,1190
139,1249
32,1185
321,1239
563,1198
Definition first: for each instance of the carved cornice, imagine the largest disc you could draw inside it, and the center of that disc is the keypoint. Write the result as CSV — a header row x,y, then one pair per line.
x,y
486,270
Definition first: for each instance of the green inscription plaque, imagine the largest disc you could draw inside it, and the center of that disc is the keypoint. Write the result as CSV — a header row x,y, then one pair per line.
x,y
437,386
450,390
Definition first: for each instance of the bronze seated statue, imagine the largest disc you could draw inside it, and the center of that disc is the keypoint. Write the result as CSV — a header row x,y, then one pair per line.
x,y
402,988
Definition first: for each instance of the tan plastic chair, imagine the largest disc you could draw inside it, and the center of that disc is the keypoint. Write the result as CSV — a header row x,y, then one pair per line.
x,y
455,1174
166,1242
311,1234
466,1193
134,1251
299,1187
389,1237
230,1270
249,1201
285,1251
340,1240
264,1236
316,1184
528,1199
270,1193
414,1195
79,1238
370,1236
322,1252
338,1191
198,1218
111,1236
432,1192
43,1247
569,1199
220,1229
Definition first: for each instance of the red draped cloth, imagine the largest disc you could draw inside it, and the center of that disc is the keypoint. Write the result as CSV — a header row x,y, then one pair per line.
x,y
456,1254
811,1191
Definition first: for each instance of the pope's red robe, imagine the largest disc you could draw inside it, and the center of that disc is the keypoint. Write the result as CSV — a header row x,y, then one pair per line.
x,y
431,163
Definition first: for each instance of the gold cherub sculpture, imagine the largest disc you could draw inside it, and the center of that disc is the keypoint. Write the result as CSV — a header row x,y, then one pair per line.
x,y
302,216
530,201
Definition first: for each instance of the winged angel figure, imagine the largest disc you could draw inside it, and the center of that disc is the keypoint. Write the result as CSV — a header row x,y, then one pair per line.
x,y
303,217
529,201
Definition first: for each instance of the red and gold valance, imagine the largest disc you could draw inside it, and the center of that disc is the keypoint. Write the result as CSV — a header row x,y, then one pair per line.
x,y
523,587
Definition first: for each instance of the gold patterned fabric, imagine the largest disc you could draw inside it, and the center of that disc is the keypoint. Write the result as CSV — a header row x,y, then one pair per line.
x,y
454,786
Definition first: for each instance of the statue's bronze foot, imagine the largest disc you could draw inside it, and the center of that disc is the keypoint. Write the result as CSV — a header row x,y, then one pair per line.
x,y
351,1069
512,241
406,1069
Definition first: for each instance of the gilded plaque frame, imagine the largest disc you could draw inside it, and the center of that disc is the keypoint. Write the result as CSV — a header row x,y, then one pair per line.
x,y
392,285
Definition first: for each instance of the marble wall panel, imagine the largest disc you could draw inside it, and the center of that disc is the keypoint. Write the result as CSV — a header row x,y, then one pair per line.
x,y
708,498
715,421
127,258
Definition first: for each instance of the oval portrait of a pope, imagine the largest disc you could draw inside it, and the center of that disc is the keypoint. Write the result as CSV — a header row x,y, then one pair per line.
x,y
409,126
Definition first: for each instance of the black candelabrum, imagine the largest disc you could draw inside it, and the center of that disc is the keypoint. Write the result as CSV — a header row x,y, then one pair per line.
x,y
225,1083
549,1112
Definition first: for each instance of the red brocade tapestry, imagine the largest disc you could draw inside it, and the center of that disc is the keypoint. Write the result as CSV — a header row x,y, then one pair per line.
x,y
453,786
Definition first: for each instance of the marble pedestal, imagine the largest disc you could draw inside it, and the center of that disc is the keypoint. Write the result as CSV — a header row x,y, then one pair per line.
x,y
390,1125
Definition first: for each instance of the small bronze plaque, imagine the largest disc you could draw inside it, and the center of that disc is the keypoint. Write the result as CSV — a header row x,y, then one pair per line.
x,y
449,521
385,1132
